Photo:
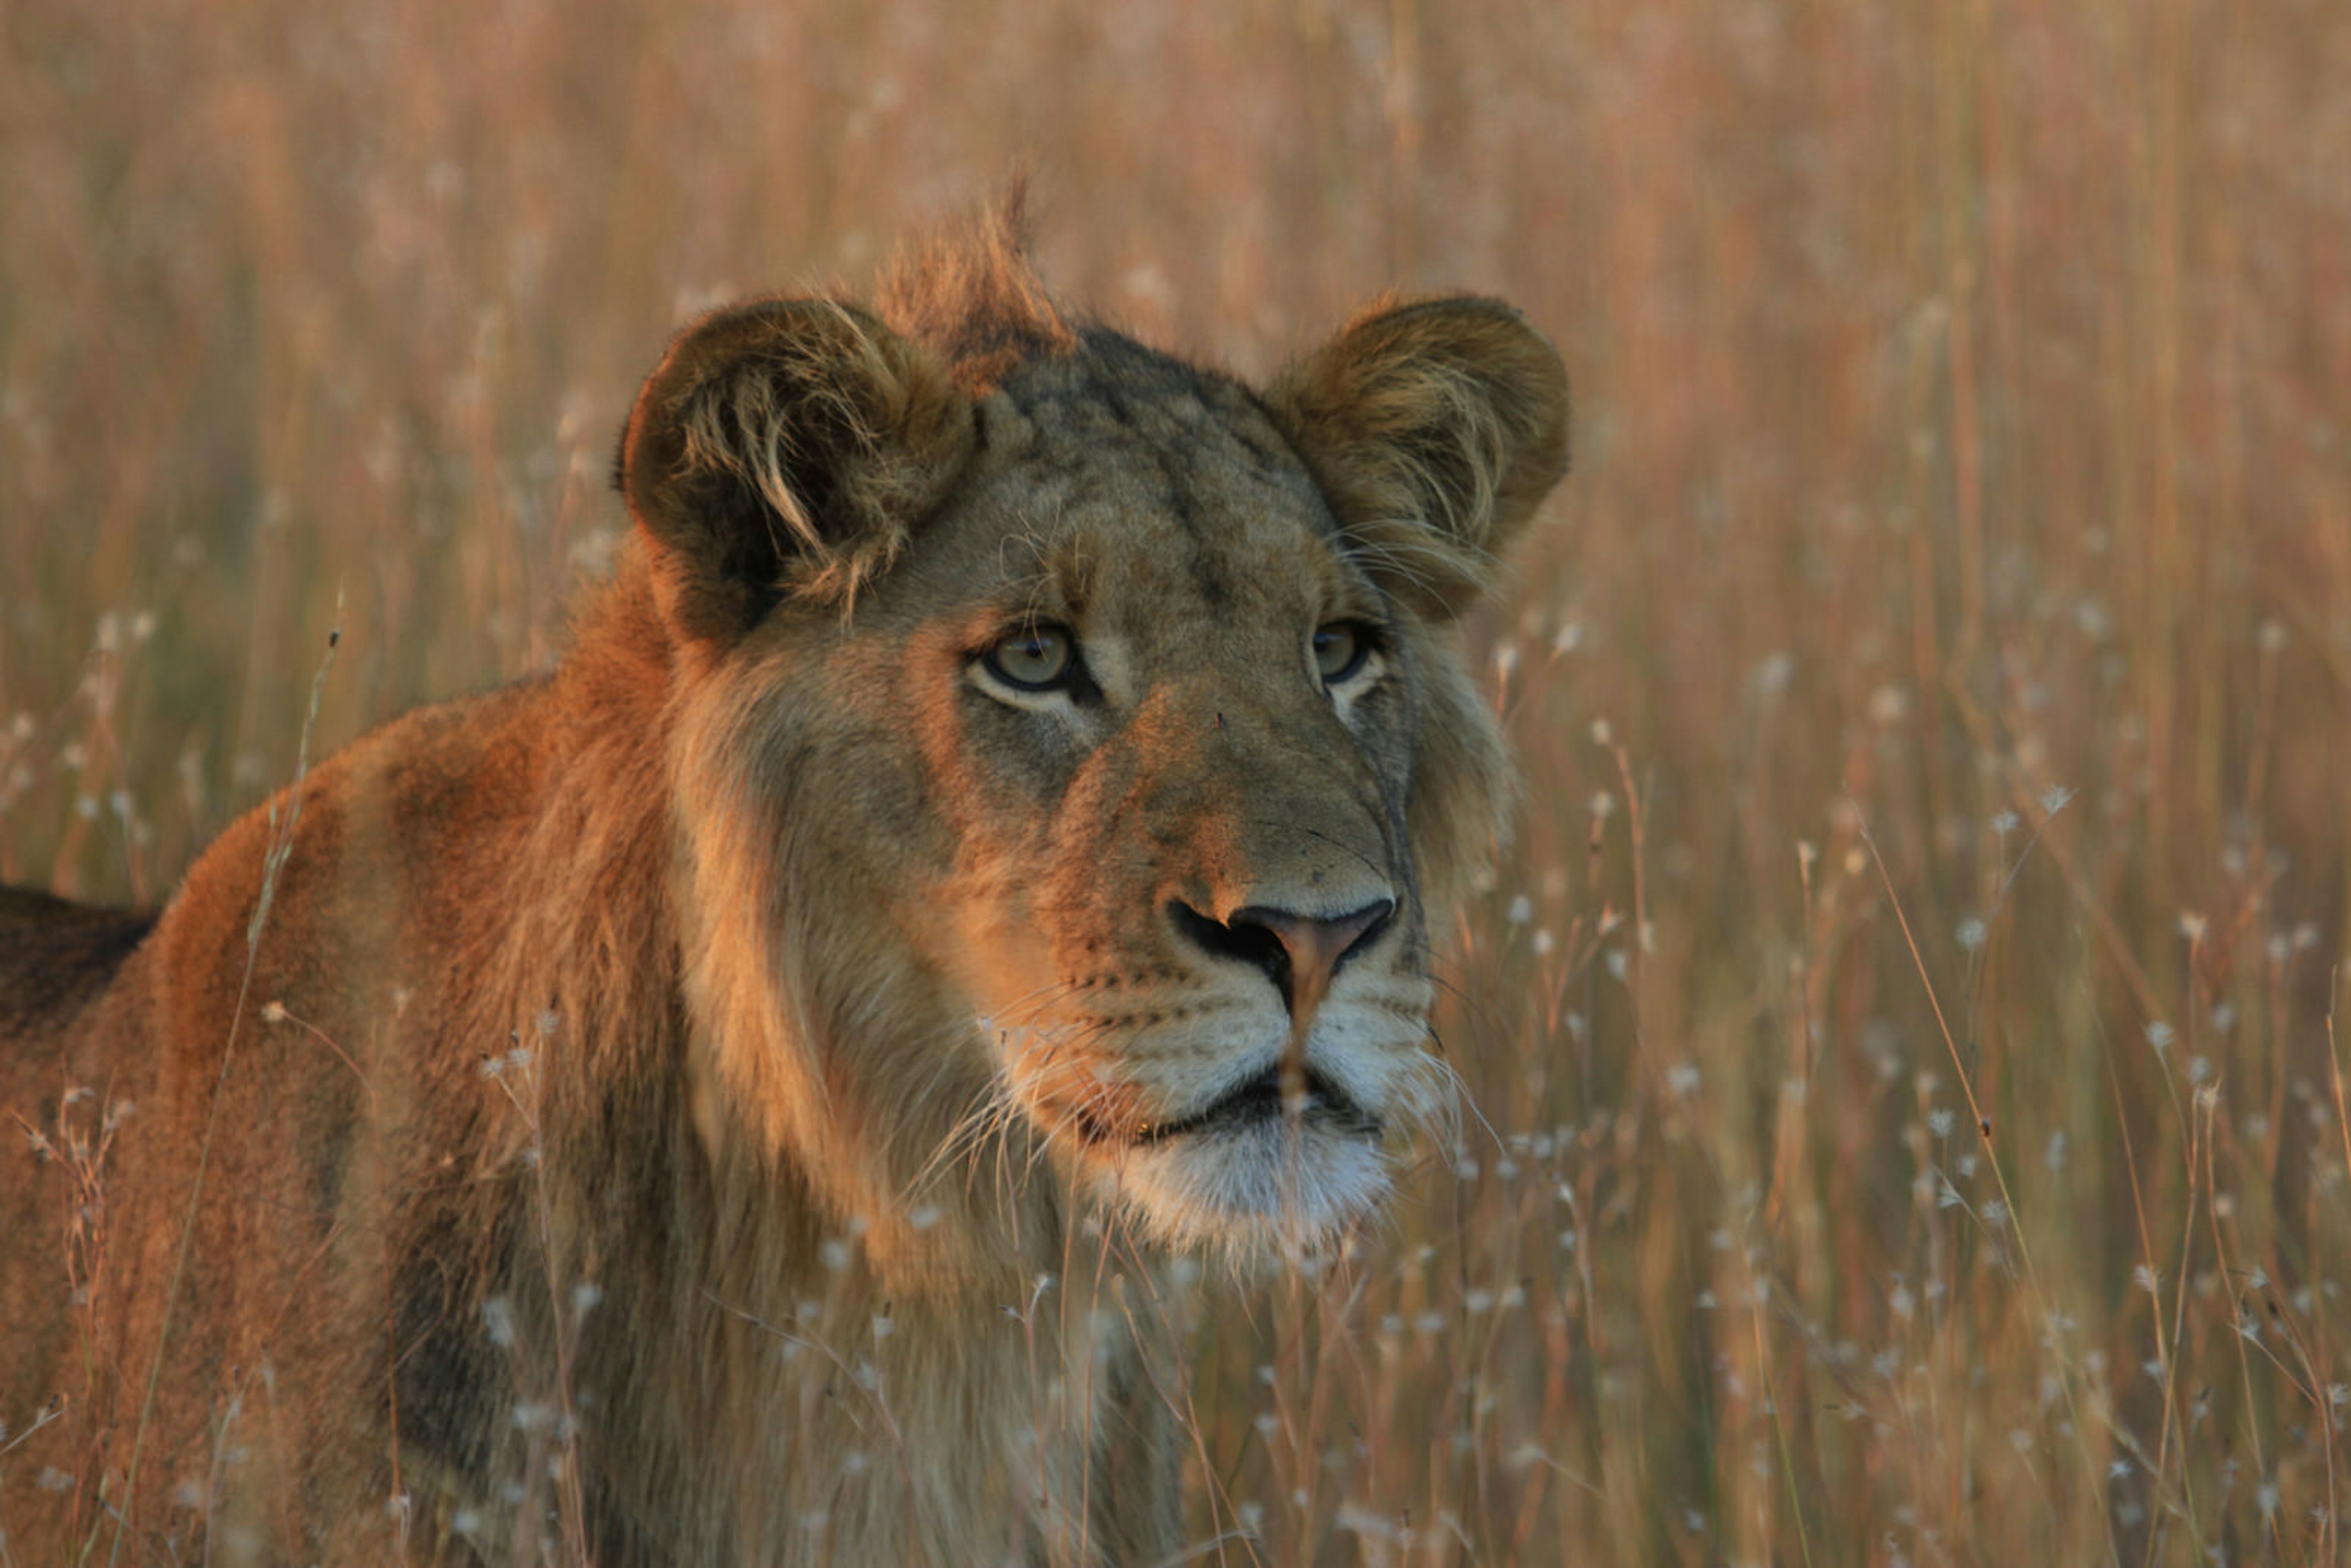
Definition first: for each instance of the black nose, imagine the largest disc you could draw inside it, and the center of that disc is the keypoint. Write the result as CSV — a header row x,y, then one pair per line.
x,y
1301,954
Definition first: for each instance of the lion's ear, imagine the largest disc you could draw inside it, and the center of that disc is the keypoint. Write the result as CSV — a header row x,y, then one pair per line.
x,y
1435,429
785,447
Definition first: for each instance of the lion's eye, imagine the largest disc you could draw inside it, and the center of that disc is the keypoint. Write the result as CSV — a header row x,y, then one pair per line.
x,y
1033,659
1339,649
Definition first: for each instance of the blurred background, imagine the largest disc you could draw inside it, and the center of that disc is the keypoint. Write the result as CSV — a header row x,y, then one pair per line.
x,y
1907,1129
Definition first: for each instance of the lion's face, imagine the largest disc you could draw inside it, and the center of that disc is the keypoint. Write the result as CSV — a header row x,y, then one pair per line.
x,y
1137,754
1170,722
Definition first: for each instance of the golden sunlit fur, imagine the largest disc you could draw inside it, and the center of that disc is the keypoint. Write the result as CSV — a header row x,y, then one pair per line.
x,y
736,1099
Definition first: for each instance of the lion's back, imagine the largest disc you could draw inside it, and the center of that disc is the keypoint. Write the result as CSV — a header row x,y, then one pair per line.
x,y
56,960
55,957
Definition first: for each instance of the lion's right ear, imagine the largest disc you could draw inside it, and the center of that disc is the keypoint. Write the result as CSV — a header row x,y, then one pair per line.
x,y
785,448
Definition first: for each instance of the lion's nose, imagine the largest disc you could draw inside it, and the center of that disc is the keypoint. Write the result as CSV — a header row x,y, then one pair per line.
x,y
1301,954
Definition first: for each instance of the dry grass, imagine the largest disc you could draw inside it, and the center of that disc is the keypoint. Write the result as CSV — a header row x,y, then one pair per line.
x,y
1902,1024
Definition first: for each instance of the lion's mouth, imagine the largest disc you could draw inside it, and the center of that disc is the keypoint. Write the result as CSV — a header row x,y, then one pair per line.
x,y
1255,1102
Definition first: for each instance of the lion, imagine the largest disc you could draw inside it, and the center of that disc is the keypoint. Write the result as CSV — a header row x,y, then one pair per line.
x,y
749,1094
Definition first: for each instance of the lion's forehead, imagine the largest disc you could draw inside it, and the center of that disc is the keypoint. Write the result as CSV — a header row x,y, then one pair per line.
x,y
1149,505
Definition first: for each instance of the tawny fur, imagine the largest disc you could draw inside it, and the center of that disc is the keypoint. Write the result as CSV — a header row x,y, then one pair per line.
x,y
698,1107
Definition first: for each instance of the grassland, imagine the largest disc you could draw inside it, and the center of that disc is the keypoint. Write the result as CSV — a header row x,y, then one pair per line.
x,y
1910,1131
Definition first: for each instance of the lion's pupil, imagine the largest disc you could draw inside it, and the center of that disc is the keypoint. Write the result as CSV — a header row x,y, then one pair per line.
x,y
1033,657
1334,649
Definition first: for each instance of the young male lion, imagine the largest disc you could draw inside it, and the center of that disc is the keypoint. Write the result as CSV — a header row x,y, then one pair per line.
x,y
732,1100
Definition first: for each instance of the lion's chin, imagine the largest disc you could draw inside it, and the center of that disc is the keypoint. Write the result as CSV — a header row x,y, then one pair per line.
x,y
1258,1192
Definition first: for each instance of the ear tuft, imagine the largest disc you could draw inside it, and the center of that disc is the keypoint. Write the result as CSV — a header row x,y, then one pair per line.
x,y
1435,429
971,294
785,448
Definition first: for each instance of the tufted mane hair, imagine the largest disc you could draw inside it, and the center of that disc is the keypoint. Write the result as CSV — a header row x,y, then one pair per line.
x,y
970,294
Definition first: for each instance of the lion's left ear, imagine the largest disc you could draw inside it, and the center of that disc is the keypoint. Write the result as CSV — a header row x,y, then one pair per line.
x,y
785,447
1435,429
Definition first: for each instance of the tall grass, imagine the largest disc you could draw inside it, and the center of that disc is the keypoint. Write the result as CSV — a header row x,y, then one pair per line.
x,y
1909,1128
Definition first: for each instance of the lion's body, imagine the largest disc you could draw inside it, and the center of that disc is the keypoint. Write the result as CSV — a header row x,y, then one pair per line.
x,y
365,1198
726,1101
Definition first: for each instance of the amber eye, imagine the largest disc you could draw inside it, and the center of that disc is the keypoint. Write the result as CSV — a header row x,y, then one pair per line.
x,y
1340,650
1033,659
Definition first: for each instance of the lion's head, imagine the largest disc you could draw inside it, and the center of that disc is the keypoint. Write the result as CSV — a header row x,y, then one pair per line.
x,y
1073,745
